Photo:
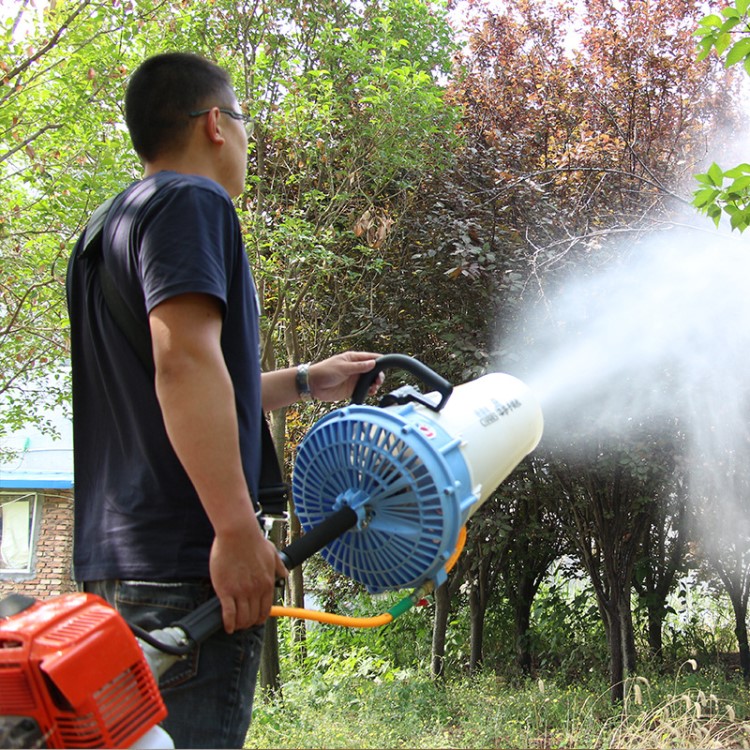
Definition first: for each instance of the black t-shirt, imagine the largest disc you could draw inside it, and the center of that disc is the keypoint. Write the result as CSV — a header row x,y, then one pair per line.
x,y
137,515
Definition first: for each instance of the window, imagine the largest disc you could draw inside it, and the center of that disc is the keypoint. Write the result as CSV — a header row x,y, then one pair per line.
x,y
17,523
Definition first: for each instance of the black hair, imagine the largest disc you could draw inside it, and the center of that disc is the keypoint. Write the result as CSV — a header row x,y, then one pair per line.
x,y
162,92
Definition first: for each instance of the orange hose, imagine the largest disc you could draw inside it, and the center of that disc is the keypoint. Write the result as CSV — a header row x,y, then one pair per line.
x,y
331,619
365,622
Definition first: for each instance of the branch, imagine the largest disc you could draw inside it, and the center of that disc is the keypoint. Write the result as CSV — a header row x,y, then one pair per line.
x,y
54,39
565,170
27,141
656,183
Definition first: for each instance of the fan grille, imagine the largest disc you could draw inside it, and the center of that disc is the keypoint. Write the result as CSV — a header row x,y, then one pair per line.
x,y
398,481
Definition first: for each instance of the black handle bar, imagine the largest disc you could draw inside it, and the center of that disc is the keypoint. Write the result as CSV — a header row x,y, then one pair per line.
x,y
205,620
414,366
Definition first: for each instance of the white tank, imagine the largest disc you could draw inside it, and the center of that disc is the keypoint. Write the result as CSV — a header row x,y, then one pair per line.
x,y
498,421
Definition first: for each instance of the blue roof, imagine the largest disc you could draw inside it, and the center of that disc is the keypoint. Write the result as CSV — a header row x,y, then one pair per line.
x,y
38,461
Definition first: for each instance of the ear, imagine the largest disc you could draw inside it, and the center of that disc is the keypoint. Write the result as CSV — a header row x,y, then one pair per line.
x,y
213,128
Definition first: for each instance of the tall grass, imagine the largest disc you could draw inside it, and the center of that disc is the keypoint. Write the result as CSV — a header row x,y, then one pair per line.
x,y
407,709
371,688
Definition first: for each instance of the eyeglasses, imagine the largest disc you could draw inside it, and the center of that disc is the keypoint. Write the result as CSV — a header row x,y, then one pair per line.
x,y
241,116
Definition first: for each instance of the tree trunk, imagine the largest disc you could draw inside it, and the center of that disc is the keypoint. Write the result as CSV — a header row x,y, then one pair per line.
x,y
296,592
439,630
522,628
655,616
270,668
522,603
614,641
478,609
618,621
663,548
739,605
628,636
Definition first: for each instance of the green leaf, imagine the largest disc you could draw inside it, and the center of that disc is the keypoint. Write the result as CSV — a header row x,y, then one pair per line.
x,y
705,48
706,34
710,22
704,197
729,24
722,42
714,212
730,12
703,179
739,185
739,219
739,51
738,171
715,174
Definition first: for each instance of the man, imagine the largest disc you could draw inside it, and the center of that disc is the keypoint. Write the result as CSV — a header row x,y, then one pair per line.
x,y
167,461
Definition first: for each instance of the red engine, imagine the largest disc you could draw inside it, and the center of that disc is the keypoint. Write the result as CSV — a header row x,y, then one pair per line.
x,y
73,666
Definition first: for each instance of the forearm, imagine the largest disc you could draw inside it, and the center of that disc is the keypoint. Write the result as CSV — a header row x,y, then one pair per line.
x,y
333,379
279,388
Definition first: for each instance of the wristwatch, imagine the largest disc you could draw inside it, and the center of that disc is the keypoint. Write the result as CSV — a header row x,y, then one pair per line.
x,y
303,382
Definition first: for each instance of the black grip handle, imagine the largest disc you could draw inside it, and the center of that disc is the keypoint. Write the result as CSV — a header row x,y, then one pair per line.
x,y
203,621
206,619
318,537
401,361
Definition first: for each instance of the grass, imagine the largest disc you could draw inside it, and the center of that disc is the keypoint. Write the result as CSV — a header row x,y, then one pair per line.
x,y
409,710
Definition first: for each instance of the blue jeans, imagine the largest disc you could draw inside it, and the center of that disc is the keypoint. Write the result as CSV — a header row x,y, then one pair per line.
x,y
209,694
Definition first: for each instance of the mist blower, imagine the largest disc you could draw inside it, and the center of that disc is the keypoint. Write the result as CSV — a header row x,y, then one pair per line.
x,y
383,493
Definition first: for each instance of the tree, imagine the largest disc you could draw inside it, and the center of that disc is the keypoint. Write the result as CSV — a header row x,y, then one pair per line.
x,y
618,113
726,191
566,151
351,118
608,499
534,543
443,596
720,488
514,539
732,565
61,152
573,146
662,557
349,113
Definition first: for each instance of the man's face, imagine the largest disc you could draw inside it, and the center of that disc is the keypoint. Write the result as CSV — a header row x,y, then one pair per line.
x,y
235,160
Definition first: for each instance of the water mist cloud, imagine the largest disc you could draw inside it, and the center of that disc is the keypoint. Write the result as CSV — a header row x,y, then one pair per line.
x,y
656,332
659,338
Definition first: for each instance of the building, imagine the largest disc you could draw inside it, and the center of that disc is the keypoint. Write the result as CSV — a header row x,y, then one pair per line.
x,y
36,511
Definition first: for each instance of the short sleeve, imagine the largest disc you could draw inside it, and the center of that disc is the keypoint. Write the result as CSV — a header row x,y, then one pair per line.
x,y
186,245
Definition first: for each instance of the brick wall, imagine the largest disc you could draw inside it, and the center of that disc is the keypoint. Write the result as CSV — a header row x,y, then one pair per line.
x,y
51,572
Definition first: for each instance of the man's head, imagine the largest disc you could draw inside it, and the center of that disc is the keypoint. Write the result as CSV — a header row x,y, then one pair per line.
x,y
183,115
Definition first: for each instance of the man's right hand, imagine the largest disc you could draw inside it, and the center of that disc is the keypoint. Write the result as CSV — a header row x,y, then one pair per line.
x,y
244,569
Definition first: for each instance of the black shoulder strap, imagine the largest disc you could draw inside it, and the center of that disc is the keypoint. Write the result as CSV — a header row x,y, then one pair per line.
x,y
137,334
274,492
92,234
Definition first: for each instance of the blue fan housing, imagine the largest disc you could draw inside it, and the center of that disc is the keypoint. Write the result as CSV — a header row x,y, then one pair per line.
x,y
406,479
